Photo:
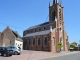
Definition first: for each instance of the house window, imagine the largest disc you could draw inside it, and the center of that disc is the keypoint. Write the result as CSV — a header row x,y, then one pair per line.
x,y
16,43
38,41
45,41
10,41
20,44
34,42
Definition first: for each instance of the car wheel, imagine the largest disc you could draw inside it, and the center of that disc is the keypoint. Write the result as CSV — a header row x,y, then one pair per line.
x,y
4,55
18,53
10,55
15,53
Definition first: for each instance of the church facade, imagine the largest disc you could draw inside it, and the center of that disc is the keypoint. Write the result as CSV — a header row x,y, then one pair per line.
x,y
46,36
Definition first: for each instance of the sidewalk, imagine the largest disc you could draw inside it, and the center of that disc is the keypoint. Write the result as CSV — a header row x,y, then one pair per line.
x,y
43,55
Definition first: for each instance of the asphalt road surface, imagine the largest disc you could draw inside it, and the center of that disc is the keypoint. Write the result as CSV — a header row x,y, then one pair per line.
x,y
75,56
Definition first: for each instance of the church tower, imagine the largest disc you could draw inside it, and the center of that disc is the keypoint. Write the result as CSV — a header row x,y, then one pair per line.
x,y
55,11
56,15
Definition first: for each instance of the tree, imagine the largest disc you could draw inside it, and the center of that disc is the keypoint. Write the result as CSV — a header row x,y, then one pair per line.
x,y
60,45
72,45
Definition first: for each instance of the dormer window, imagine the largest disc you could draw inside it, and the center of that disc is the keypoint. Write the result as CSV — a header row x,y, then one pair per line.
x,y
28,31
44,28
35,30
31,31
39,29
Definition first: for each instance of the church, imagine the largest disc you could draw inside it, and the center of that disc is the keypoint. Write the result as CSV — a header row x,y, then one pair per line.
x,y
46,36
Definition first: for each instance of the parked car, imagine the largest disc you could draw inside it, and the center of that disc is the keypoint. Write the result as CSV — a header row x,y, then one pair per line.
x,y
16,50
5,52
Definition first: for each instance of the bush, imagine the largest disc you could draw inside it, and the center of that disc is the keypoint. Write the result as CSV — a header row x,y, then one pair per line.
x,y
60,45
72,45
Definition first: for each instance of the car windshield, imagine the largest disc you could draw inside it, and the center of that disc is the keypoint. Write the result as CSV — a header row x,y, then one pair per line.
x,y
3,48
12,47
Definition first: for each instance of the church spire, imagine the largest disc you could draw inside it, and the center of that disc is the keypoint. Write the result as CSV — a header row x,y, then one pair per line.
x,y
60,2
55,2
49,4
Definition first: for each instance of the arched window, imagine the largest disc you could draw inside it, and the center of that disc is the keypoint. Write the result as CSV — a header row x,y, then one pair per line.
x,y
60,39
53,15
60,14
33,41
29,42
38,41
53,41
25,41
45,41
66,42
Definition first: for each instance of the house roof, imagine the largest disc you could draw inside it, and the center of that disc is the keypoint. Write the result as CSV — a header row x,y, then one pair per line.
x,y
74,42
19,39
46,23
38,33
13,32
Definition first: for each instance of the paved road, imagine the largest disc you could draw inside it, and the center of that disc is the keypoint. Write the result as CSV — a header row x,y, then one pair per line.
x,y
67,57
37,55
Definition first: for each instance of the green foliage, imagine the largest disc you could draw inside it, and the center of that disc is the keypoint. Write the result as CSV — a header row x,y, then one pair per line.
x,y
72,45
60,45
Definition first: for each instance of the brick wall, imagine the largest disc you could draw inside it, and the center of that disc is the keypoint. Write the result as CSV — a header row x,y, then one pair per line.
x,y
37,47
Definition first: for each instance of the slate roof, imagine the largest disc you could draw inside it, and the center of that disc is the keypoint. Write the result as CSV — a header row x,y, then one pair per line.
x,y
46,23
38,33
18,37
15,33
